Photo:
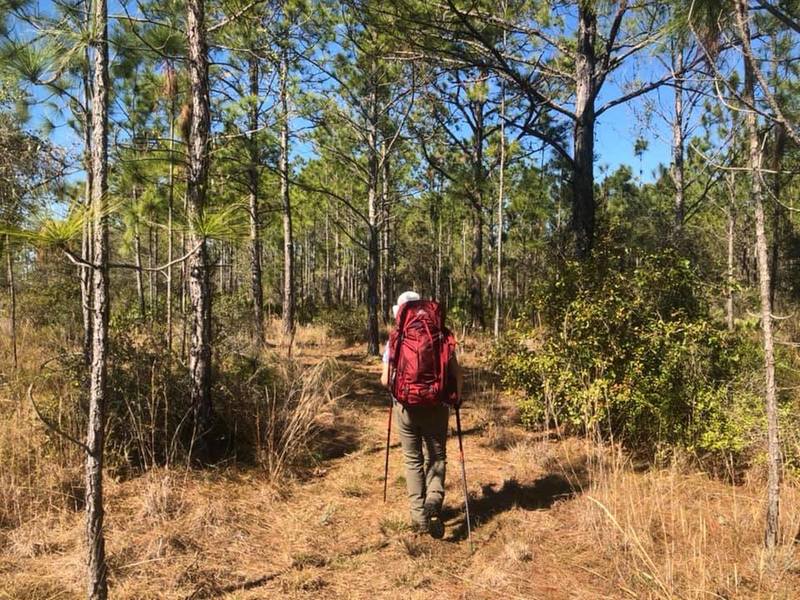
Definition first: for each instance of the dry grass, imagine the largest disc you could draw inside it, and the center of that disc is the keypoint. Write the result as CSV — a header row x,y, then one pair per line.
x,y
40,472
307,336
551,519
296,414
669,534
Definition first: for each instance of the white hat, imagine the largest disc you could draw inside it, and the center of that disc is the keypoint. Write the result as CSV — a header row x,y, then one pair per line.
x,y
402,299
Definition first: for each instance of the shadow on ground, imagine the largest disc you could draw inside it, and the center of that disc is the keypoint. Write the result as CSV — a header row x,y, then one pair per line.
x,y
337,440
539,495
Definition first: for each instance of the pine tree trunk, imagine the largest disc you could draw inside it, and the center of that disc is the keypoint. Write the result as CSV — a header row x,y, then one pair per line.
x,y
12,296
170,216
498,288
755,158
372,279
85,275
184,284
677,143
197,264
255,233
476,276
583,205
137,248
97,583
438,290
154,274
151,274
287,321
373,247
730,273
353,278
778,217
338,254
387,258
327,292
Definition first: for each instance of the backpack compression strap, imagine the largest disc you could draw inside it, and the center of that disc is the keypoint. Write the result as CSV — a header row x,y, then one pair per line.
x,y
394,352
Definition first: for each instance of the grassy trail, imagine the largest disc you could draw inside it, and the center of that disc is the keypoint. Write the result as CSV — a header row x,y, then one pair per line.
x,y
551,519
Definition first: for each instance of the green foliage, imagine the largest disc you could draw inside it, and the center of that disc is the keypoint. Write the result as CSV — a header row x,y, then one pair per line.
x,y
630,352
346,323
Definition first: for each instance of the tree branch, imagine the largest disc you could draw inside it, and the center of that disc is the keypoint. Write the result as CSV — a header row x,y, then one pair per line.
x,y
52,427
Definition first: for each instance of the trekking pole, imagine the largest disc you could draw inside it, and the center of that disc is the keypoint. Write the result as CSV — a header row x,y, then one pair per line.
x,y
386,466
463,475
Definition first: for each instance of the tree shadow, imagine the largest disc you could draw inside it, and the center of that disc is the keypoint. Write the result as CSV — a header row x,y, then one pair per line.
x,y
208,590
337,440
365,388
539,495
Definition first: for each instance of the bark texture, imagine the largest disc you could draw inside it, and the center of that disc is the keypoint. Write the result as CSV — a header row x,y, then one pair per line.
x,y
755,159
583,203
498,288
255,231
477,314
677,142
196,182
85,275
373,246
288,233
97,582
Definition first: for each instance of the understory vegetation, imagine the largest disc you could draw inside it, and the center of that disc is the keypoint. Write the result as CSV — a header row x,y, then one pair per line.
x,y
210,208
272,413
633,350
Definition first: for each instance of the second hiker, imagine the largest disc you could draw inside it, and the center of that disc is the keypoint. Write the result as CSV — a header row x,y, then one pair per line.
x,y
421,370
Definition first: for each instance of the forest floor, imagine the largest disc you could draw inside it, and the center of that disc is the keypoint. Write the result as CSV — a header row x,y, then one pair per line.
x,y
552,519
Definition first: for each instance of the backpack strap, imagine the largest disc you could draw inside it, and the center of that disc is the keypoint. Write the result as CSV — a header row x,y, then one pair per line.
x,y
394,352
433,347
447,352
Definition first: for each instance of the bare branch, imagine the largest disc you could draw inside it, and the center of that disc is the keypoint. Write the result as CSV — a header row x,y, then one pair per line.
x,y
52,427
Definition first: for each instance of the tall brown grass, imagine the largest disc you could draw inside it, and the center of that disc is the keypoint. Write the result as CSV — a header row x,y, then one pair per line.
x,y
288,420
40,471
631,530
673,531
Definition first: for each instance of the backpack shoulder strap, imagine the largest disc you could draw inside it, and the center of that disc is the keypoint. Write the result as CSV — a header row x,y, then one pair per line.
x,y
447,351
395,341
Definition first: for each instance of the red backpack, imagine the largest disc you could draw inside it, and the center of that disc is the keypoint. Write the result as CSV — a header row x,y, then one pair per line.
x,y
420,349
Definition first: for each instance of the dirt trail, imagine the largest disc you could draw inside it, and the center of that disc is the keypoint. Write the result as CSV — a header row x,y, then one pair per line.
x,y
347,544
541,528
231,534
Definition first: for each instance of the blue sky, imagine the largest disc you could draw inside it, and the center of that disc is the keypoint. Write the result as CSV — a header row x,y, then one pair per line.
x,y
616,135
616,132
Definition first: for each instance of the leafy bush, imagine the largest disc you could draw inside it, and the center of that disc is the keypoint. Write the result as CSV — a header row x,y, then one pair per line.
x,y
630,352
349,324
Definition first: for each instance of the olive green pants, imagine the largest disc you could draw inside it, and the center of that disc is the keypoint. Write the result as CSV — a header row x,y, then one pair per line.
x,y
423,437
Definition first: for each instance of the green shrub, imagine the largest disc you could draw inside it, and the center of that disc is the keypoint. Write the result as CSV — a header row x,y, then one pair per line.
x,y
349,324
630,352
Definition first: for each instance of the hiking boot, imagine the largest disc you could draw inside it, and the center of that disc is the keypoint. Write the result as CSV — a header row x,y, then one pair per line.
x,y
419,527
435,523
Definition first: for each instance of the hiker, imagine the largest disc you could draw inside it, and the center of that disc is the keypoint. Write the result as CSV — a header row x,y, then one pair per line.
x,y
422,389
